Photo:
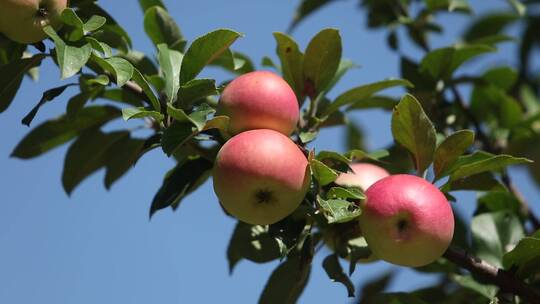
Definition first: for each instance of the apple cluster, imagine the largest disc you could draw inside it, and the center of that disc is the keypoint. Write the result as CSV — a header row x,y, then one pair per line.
x,y
260,175
23,20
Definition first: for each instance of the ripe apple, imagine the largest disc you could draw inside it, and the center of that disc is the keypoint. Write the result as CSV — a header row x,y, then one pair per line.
x,y
259,100
23,20
406,220
364,175
260,176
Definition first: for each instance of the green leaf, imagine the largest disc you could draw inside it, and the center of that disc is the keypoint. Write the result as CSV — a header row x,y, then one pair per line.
x,y
235,62
175,136
55,132
322,172
345,193
321,61
292,61
499,200
467,281
93,24
502,77
86,155
141,62
307,137
170,62
479,182
121,157
140,79
196,89
450,149
306,8
493,163
450,5
69,17
338,210
47,96
492,104
131,113
519,7
344,66
525,256
362,92
11,76
489,25
356,154
335,273
179,182
204,50
441,63
377,101
253,243
162,29
120,68
374,288
147,4
286,283
70,58
494,234
413,130
105,51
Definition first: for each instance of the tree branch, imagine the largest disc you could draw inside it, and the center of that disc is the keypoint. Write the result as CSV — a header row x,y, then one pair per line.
x,y
505,280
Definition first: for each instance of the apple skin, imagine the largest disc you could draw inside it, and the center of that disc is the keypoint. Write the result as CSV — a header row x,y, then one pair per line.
x,y
364,175
406,220
23,20
259,100
260,176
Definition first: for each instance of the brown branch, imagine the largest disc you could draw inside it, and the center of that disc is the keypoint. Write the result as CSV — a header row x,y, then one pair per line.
x,y
490,274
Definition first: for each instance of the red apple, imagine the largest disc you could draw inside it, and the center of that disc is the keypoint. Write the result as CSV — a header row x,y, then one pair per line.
x,y
259,100
23,20
406,220
260,176
364,175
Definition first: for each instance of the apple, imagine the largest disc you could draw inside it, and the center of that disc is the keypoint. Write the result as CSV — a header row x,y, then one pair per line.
x,y
406,220
260,176
363,176
259,100
23,20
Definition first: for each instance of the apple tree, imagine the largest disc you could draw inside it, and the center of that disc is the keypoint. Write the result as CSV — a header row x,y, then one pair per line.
x,y
253,136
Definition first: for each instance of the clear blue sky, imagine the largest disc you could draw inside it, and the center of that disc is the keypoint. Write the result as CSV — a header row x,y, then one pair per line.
x,y
99,247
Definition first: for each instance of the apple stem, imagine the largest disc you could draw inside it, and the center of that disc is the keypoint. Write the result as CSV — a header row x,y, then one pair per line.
x,y
505,280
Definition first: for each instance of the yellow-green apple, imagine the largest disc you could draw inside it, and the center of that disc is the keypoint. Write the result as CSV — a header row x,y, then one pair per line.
x,y
259,100
260,176
406,220
23,20
363,176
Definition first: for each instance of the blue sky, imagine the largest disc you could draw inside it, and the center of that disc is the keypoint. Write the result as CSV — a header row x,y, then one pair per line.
x,y
98,246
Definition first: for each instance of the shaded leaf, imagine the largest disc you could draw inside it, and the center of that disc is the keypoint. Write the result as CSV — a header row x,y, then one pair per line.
x,y
335,273
493,163
306,8
412,129
322,173
450,149
120,157
338,210
47,96
161,28
525,256
170,61
321,60
286,283
140,79
292,61
131,113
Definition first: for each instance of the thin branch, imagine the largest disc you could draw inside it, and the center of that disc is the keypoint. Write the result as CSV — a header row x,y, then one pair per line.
x,y
505,280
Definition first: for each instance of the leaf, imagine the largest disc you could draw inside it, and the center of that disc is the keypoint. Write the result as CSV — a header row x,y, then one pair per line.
x,y
170,62
287,282
143,83
86,155
204,50
105,51
321,61
362,92
307,137
119,67
345,193
344,66
70,58
338,210
69,17
374,288
196,89
493,163
441,63
450,5
46,97
479,182
494,234
450,149
251,242
11,76
175,136
519,7
525,256
140,61
413,130
93,24
489,25
120,157
322,172
381,102
53,133
335,273
147,4
234,62
306,8
131,113
467,281
292,61
161,28
179,182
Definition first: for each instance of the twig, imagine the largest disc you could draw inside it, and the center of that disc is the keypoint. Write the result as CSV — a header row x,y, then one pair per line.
x,y
505,280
